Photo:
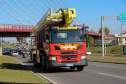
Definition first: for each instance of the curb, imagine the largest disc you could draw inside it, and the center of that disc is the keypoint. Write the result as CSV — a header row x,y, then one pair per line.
x,y
49,81
108,62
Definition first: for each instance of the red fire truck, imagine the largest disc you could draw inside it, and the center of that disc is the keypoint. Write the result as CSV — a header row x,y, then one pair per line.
x,y
59,45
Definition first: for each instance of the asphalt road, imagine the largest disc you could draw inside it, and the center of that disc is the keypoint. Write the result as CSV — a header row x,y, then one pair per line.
x,y
94,73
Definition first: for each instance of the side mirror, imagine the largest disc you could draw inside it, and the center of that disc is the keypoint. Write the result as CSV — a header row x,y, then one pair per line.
x,y
87,35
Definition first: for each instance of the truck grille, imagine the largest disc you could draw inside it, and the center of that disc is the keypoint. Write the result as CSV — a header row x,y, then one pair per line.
x,y
74,56
67,53
68,61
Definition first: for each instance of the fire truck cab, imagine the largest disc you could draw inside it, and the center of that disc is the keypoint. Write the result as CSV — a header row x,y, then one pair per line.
x,y
61,47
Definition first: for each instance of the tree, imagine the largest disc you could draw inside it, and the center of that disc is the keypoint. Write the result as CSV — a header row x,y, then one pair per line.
x,y
106,29
90,41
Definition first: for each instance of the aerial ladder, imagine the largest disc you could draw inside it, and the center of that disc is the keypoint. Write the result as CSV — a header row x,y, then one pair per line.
x,y
59,18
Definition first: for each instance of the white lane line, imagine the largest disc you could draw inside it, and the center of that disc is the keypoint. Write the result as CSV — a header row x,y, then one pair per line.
x,y
47,79
102,65
38,74
113,75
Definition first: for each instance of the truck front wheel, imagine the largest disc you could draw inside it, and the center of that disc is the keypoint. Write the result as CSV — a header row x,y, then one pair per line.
x,y
72,67
34,61
47,67
80,68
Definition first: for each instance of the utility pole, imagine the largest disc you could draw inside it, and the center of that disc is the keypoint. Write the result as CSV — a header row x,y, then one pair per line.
x,y
102,26
6,14
121,33
1,47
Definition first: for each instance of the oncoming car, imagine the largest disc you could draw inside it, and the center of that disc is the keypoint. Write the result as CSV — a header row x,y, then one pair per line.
x,y
88,52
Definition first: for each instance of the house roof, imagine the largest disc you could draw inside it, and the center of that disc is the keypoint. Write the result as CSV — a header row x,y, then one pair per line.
x,y
124,35
99,34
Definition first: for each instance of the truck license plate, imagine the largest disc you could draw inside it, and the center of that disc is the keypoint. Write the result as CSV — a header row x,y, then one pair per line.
x,y
69,64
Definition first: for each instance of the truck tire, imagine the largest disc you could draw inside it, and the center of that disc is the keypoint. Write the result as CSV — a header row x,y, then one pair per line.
x,y
72,67
80,68
47,67
34,61
43,63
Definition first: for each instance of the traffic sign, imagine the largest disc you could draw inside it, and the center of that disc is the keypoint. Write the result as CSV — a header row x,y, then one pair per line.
x,y
123,17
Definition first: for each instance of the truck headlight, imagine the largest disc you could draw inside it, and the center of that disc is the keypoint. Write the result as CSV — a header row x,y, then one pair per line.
x,y
83,56
52,58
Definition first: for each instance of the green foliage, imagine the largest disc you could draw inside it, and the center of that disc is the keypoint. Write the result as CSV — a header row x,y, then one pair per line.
x,y
96,49
14,73
90,41
8,46
115,49
106,29
107,59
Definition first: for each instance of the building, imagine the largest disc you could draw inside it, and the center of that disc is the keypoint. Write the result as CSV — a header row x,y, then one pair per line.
x,y
123,39
109,39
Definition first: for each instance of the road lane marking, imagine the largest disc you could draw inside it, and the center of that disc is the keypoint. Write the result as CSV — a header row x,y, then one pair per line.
x,y
112,75
38,74
47,79
102,65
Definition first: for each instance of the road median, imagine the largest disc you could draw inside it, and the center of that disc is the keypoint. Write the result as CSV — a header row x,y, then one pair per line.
x,y
108,59
13,72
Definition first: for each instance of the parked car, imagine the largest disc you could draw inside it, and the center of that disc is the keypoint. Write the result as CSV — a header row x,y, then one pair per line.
x,y
5,51
88,52
14,53
10,50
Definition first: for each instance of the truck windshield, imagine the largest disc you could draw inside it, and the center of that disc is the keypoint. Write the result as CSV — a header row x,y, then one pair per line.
x,y
67,36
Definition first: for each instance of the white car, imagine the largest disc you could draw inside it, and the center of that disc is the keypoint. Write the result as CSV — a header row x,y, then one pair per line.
x,y
14,53
88,52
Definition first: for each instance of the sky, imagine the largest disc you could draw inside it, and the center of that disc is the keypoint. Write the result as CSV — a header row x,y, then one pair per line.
x,y
87,11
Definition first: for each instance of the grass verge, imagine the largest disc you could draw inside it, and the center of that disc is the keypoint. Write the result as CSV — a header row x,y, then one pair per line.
x,y
8,46
13,72
115,49
107,59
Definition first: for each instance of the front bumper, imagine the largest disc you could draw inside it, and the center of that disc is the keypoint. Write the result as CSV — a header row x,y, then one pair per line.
x,y
53,63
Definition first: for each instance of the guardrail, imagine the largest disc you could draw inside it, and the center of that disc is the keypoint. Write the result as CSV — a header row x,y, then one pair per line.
x,y
13,26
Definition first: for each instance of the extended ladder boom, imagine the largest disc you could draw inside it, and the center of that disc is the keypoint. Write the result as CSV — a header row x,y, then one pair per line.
x,y
59,18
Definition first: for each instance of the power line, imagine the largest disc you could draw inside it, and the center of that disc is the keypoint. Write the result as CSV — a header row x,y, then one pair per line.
x,y
40,5
18,12
64,4
51,5
36,6
31,9
13,15
60,3
25,10
45,3
55,3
